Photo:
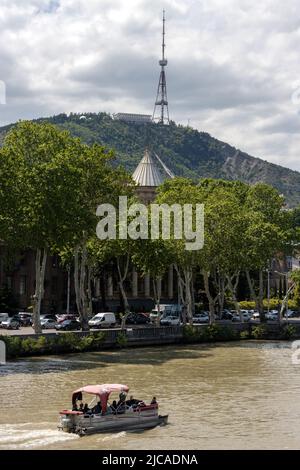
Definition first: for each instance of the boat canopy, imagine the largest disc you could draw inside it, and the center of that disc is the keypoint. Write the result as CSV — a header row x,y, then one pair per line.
x,y
103,391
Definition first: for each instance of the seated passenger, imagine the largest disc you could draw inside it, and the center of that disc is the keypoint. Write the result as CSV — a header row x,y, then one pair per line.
x,y
97,409
131,401
75,407
153,401
121,406
85,408
81,407
114,407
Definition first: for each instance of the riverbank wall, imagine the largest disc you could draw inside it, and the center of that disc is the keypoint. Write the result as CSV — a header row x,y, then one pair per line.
x,y
62,343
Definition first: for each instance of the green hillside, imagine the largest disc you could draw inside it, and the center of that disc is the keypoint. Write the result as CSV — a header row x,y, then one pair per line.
x,y
186,151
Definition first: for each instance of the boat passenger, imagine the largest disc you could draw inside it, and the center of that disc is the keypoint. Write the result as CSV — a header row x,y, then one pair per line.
x,y
114,407
85,408
121,407
75,408
153,401
97,409
131,401
81,407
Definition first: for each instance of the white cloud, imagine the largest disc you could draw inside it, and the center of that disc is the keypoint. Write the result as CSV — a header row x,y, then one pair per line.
x,y
233,64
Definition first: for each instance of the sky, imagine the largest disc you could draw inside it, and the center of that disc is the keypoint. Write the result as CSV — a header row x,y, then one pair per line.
x,y
233,65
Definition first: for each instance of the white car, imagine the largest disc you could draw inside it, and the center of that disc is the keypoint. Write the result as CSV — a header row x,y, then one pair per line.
x,y
170,320
272,315
201,318
255,316
102,320
246,315
48,324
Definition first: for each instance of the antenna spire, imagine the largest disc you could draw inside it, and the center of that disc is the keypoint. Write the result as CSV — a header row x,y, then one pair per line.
x,y
161,108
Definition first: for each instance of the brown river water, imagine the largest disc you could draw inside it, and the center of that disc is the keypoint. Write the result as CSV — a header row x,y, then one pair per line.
x,y
243,395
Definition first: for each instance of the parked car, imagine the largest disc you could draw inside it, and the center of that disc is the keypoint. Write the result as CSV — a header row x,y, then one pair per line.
x,y
12,323
65,316
25,318
137,319
272,315
246,315
255,316
170,320
49,316
48,324
102,320
201,317
165,309
227,315
3,317
68,325
291,314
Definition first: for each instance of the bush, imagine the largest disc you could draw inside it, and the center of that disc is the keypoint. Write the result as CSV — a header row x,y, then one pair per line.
x,y
62,343
259,332
191,333
121,340
245,334
13,345
274,304
212,332
288,332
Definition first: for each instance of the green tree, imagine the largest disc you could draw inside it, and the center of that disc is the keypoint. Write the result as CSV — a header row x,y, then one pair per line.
x,y
267,235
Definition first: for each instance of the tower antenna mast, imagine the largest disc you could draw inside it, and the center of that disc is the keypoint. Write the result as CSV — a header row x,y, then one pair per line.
x,y
161,108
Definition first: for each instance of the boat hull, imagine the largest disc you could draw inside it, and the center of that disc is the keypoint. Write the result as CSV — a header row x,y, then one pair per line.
x,y
84,424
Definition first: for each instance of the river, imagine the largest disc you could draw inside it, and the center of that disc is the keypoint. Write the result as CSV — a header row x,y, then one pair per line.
x,y
243,395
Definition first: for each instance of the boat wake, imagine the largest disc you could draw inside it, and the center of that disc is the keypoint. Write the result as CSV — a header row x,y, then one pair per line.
x,y
112,436
23,436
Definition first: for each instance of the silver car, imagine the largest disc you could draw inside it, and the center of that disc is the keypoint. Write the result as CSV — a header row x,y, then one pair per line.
x,y
48,324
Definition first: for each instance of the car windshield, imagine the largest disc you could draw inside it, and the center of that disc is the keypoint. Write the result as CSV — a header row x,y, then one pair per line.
x,y
97,317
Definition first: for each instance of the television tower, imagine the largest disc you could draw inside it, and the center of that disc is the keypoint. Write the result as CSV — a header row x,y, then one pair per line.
x,y
161,109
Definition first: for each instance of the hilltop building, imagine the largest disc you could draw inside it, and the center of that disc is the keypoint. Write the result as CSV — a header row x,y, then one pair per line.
x,y
132,118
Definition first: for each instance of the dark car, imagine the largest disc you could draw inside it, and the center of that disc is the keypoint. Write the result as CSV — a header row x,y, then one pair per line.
x,y
225,315
68,325
24,318
137,319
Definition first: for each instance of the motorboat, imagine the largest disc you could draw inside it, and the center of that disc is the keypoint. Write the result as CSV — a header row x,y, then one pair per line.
x,y
102,415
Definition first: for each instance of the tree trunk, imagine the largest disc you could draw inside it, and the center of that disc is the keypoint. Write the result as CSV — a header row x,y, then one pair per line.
x,y
261,297
122,278
80,286
76,280
221,296
89,292
103,292
188,295
157,297
181,295
284,305
68,289
209,297
233,287
40,268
